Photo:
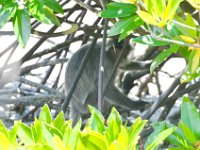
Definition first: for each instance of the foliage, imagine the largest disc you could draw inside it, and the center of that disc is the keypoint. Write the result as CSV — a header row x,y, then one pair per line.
x,y
49,134
163,25
187,134
98,134
19,12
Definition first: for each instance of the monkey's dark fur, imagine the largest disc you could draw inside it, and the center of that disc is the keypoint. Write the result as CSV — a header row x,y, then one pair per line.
x,y
86,90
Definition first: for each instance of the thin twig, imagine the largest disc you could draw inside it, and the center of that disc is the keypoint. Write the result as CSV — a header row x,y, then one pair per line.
x,y
42,64
87,6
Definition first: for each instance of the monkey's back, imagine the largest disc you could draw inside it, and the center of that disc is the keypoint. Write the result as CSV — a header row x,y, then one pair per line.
x,y
86,90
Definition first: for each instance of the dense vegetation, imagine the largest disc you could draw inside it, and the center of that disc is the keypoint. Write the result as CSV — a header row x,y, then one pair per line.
x,y
169,29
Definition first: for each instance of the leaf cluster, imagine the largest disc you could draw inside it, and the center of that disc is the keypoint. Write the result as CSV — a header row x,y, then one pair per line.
x,y
164,24
20,12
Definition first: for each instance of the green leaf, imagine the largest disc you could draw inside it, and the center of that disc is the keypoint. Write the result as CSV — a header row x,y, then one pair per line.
x,y
36,10
171,8
188,76
120,26
114,124
190,117
45,114
117,10
54,5
190,22
53,130
6,13
171,30
158,127
39,146
148,40
125,26
115,145
113,131
47,136
163,56
175,148
25,134
4,142
37,131
160,6
94,139
96,121
13,132
148,18
177,138
131,27
188,133
114,116
149,5
123,137
135,130
59,121
194,60
22,26
184,52
160,137
3,129
180,24
74,136
67,133
51,16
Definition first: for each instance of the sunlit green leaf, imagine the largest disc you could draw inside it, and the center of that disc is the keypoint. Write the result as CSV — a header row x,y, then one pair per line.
x,y
130,27
36,10
37,131
191,23
193,61
160,137
123,25
59,121
115,145
163,56
4,142
6,13
114,116
54,130
74,136
171,8
96,121
94,139
148,18
22,26
117,10
195,3
25,134
13,132
67,133
54,5
3,129
159,6
45,114
158,127
113,131
190,117
188,133
47,136
184,52
51,16
123,137
148,40
188,76
135,130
